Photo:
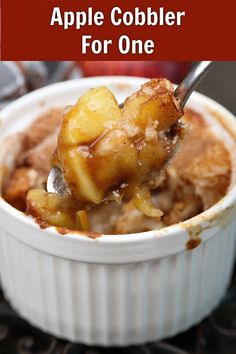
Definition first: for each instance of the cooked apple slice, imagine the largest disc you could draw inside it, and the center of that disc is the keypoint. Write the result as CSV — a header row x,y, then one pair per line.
x,y
89,116
52,209
81,127
154,102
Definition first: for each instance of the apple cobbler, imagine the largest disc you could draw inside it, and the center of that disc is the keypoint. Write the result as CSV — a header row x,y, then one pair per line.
x,y
129,169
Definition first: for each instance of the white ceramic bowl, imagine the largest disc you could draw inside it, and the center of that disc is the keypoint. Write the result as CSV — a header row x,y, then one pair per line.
x,y
114,290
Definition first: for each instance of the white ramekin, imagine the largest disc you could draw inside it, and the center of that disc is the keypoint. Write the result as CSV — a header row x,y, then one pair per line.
x,y
114,290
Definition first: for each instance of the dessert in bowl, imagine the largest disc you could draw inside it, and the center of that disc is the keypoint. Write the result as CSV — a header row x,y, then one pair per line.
x,y
130,278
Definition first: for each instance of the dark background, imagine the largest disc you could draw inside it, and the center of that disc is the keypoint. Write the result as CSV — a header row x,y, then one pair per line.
x,y
17,79
220,84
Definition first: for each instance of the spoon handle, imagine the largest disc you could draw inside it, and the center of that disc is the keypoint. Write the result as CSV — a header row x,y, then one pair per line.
x,y
184,90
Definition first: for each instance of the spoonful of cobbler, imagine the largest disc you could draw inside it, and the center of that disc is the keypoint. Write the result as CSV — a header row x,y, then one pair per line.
x,y
105,152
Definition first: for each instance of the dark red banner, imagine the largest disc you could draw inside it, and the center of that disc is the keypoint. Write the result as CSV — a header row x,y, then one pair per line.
x,y
117,30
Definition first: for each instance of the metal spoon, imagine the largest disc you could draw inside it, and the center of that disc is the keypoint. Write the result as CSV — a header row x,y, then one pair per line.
x,y
184,90
56,183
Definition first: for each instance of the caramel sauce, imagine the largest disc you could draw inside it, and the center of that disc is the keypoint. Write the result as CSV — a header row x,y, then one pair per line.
x,y
193,243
